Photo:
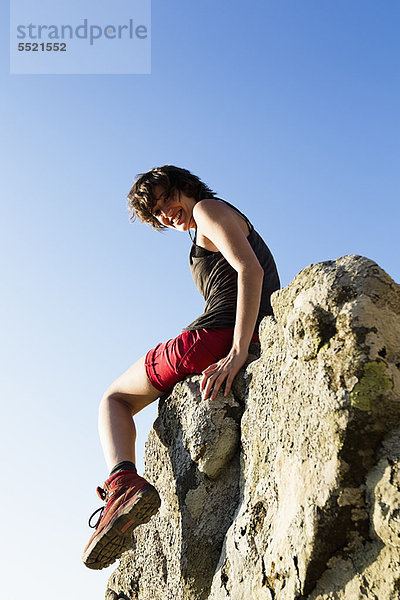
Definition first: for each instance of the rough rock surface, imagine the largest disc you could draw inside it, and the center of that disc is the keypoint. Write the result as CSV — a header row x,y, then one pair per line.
x,y
289,488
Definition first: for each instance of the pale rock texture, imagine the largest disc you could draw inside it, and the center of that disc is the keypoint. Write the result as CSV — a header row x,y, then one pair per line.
x,y
288,489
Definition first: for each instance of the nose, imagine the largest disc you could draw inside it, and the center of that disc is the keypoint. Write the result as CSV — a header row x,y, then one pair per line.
x,y
164,213
166,210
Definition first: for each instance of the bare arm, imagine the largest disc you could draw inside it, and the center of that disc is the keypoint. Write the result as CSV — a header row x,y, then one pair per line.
x,y
217,222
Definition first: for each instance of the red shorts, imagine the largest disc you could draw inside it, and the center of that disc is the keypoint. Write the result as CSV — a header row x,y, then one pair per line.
x,y
190,352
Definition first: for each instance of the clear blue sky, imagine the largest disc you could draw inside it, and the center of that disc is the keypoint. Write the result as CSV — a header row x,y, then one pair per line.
x,y
288,109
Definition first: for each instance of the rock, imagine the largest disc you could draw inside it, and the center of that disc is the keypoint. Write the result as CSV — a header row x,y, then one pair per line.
x,y
289,488
195,465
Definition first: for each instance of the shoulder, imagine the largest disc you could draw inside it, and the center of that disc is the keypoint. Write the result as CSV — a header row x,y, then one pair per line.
x,y
211,208
208,204
212,215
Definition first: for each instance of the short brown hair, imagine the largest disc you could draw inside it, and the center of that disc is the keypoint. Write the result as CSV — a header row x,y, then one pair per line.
x,y
141,200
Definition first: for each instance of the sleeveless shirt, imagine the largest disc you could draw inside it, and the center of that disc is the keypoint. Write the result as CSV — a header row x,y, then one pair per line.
x,y
216,280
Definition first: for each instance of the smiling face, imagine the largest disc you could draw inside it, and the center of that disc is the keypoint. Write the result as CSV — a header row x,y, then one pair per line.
x,y
173,210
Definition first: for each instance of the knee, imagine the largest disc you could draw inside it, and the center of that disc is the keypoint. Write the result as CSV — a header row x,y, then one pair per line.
x,y
105,402
112,394
112,398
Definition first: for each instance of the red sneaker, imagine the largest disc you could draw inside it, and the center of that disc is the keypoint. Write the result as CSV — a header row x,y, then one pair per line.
x,y
130,501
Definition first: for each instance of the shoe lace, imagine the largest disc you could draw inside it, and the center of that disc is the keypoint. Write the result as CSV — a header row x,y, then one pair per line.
x,y
100,510
103,495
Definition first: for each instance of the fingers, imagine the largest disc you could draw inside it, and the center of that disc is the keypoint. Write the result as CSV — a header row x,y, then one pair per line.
x,y
211,367
213,385
228,384
215,375
212,381
206,374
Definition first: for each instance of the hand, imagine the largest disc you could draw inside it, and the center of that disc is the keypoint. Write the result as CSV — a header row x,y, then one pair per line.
x,y
217,373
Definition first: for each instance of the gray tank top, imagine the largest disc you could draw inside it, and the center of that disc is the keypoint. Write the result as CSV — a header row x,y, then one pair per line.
x,y
216,280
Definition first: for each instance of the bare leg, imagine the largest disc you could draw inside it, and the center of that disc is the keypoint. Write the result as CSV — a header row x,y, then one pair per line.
x,y
124,398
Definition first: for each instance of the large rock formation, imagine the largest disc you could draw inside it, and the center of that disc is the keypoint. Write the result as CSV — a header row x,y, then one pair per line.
x,y
289,488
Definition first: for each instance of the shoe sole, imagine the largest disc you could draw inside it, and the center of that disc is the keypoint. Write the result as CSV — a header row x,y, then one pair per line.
x,y
117,537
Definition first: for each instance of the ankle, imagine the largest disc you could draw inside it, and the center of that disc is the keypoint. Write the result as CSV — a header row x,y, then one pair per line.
x,y
124,465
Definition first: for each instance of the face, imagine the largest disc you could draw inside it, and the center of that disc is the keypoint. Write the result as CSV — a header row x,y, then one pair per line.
x,y
174,210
